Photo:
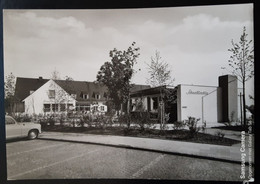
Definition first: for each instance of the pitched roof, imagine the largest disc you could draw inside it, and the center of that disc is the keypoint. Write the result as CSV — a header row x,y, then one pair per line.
x,y
81,87
138,87
25,85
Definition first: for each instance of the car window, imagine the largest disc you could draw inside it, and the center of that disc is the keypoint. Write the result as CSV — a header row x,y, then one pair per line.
x,y
9,121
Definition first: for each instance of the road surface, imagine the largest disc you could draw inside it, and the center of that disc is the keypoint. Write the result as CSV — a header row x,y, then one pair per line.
x,y
42,159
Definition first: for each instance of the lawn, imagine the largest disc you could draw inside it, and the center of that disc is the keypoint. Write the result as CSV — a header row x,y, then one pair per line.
x,y
178,135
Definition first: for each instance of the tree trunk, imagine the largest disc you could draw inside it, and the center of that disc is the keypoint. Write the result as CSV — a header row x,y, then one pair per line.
x,y
244,104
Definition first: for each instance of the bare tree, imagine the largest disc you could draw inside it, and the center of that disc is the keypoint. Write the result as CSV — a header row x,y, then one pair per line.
x,y
55,75
160,72
161,76
242,63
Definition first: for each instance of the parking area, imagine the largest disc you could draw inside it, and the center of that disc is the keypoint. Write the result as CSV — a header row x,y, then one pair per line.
x,y
42,159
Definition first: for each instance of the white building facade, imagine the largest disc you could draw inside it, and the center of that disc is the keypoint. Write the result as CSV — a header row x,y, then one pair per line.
x,y
49,98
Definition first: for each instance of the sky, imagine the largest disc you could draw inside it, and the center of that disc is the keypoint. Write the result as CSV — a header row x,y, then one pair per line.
x,y
193,40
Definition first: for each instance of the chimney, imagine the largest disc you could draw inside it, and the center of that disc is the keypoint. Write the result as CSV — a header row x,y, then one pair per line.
x,y
40,78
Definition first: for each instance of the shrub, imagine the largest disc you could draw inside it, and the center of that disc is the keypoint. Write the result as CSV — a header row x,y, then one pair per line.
x,y
142,119
125,119
191,123
51,120
203,127
220,134
177,125
100,121
23,118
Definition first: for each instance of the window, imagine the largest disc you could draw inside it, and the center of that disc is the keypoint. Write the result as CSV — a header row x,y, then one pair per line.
x,y
51,93
9,120
98,96
54,107
95,108
87,108
155,103
85,96
46,107
102,108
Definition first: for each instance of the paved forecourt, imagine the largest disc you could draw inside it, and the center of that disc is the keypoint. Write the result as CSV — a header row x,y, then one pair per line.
x,y
48,159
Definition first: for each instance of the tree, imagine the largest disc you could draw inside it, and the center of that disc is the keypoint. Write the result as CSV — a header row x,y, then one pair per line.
x,y
242,63
9,92
117,73
55,75
68,78
160,76
160,72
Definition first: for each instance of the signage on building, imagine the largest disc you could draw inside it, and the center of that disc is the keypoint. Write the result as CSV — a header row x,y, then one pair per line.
x,y
190,92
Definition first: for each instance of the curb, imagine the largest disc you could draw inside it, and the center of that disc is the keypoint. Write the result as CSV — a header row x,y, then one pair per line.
x,y
149,149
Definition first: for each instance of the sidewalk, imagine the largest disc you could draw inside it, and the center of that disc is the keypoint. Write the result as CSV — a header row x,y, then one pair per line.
x,y
208,151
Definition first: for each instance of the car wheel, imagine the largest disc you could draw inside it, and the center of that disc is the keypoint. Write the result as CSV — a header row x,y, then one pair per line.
x,y
33,134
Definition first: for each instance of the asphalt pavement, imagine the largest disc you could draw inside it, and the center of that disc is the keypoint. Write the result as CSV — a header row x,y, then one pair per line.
x,y
49,159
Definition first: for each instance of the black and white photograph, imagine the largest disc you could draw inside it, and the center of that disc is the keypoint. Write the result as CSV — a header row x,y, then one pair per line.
x,y
160,93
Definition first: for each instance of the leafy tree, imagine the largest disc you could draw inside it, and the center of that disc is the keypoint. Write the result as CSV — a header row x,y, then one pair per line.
x,y
160,76
9,92
117,73
242,63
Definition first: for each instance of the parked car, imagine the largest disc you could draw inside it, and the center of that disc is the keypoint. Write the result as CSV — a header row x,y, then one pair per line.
x,y
21,129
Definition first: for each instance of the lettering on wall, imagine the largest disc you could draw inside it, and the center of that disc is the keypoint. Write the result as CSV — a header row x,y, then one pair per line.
x,y
190,92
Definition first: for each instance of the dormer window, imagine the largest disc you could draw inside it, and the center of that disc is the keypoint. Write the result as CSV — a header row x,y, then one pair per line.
x,y
98,96
85,96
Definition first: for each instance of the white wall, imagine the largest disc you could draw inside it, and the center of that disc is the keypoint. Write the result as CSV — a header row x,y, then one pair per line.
x,y
190,103
34,102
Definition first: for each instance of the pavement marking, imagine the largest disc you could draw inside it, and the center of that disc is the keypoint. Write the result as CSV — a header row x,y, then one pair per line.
x,y
36,149
50,165
148,166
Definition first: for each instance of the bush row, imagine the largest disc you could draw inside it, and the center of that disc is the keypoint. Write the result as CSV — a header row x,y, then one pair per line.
x,y
141,120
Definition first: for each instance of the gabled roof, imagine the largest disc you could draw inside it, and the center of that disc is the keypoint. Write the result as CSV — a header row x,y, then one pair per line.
x,y
25,85
81,87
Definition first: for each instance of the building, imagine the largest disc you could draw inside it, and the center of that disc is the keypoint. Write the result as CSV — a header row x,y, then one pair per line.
x,y
45,96
150,100
211,104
